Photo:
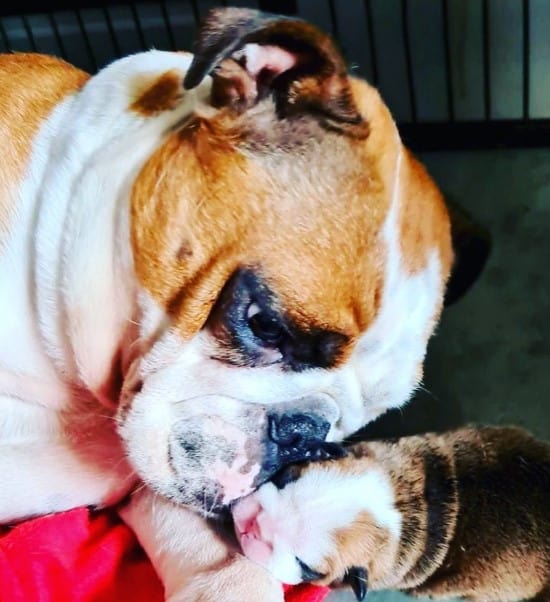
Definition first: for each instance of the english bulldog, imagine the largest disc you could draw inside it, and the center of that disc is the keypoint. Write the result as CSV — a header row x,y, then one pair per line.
x,y
211,265
462,514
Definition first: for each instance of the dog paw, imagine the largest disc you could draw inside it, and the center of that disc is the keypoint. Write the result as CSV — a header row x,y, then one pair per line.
x,y
238,580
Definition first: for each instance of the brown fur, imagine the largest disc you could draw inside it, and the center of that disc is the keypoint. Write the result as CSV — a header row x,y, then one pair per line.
x,y
422,198
41,83
475,507
302,204
353,538
163,94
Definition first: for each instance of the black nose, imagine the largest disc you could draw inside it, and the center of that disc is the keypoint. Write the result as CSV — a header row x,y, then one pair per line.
x,y
291,431
296,437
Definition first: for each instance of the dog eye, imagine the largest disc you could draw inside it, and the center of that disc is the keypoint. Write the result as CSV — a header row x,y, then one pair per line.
x,y
264,326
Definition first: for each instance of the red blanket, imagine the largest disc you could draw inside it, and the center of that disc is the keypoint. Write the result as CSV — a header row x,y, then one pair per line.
x,y
76,556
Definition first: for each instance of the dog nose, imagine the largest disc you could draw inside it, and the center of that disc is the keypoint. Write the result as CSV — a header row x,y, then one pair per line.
x,y
298,436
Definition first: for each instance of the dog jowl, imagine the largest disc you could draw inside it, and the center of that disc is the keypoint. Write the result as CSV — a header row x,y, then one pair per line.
x,y
233,254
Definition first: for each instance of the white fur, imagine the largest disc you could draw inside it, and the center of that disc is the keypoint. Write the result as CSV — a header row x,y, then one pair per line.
x,y
68,297
383,370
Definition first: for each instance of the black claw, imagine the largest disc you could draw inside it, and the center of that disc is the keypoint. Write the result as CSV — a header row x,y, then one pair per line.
x,y
357,578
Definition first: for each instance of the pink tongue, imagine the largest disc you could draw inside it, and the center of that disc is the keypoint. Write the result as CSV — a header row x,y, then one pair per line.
x,y
256,549
249,534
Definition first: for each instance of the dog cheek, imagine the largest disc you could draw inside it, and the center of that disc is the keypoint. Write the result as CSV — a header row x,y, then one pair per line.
x,y
225,455
236,478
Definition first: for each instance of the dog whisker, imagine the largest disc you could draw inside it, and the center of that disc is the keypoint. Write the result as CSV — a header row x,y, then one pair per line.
x,y
425,389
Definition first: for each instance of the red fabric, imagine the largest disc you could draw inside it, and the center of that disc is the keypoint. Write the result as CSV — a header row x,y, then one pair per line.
x,y
77,556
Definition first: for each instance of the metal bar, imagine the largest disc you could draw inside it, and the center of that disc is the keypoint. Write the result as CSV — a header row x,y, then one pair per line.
x,y
166,19
28,31
448,64
408,57
486,60
87,43
196,12
139,29
333,19
30,7
526,58
4,36
57,36
284,7
372,45
474,135
112,32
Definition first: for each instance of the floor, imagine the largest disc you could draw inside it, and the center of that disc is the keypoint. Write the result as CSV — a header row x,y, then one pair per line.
x,y
490,359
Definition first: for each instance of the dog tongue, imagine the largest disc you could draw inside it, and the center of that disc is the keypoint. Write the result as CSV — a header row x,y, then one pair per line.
x,y
248,531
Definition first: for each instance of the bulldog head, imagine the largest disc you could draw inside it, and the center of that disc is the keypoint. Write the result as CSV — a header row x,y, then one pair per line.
x,y
291,259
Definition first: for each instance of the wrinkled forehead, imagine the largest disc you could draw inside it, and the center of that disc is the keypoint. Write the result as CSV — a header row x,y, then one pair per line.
x,y
318,245
307,218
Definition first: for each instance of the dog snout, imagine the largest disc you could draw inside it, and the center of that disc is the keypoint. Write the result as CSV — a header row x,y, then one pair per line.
x,y
293,431
294,437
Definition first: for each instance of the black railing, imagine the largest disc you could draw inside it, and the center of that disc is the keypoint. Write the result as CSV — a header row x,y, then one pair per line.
x,y
437,63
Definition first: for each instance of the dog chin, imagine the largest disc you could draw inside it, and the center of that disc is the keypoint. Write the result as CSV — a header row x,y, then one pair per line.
x,y
205,461
208,497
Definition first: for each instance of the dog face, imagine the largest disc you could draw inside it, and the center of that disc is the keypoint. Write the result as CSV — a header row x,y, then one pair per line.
x,y
291,260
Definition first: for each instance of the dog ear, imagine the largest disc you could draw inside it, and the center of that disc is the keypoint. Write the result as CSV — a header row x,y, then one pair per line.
x,y
472,247
251,55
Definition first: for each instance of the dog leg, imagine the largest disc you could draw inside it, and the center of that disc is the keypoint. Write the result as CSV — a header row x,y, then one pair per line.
x,y
40,478
45,466
194,562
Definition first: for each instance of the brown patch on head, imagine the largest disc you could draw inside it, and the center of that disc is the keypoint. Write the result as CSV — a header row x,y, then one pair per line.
x,y
162,94
307,217
32,85
285,185
188,219
282,194
292,176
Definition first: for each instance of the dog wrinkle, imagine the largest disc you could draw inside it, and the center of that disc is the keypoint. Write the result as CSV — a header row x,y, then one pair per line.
x,y
21,115
325,278
210,149
200,185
